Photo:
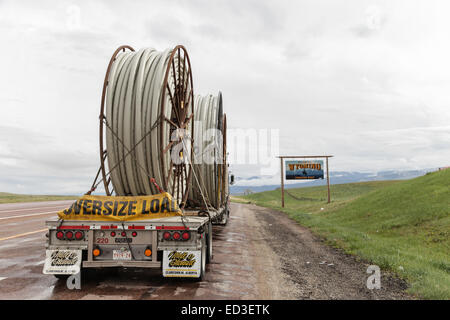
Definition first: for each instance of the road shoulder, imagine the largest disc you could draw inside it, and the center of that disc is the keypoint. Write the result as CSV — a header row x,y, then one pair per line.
x,y
314,269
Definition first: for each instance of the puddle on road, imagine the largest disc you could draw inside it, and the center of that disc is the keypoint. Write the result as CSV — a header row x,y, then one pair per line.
x,y
179,290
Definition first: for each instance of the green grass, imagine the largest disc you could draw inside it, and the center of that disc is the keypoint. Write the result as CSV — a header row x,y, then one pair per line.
x,y
238,200
401,226
12,197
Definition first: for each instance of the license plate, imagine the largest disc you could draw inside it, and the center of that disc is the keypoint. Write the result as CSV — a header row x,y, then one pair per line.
x,y
121,255
123,240
62,261
182,263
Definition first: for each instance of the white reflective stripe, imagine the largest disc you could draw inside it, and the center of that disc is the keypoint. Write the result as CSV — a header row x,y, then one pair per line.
x,y
94,227
145,228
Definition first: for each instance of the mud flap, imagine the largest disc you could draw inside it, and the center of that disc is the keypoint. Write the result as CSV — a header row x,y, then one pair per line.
x,y
62,262
179,263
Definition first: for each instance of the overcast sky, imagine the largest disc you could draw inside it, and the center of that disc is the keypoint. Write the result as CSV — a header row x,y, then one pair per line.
x,y
365,81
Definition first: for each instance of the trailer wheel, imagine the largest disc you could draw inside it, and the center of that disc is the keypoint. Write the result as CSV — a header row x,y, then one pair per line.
x,y
203,261
61,276
209,254
225,216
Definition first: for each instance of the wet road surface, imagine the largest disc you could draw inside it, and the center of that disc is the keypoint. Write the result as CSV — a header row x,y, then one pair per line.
x,y
259,254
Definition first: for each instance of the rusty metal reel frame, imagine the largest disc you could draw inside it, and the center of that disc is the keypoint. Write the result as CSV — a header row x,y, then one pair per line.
x,y
103,151
181,97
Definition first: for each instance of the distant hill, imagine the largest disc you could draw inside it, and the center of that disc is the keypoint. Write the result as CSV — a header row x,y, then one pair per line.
x,y
6,197
336,177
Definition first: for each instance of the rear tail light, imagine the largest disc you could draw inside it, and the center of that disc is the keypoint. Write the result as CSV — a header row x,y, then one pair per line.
x,y
185,236
134,234
60,235
79,235
176,235
96,252
113,233
124,234
69,235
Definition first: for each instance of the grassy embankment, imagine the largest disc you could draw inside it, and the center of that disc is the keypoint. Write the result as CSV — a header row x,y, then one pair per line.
x,y
402,226
12,197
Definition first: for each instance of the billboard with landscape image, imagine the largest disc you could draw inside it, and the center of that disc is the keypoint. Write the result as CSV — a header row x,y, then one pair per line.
x,y
304,169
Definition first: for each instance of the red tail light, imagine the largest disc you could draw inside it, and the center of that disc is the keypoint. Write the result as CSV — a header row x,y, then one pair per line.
x,y
166,235
69,235
60,235
186,235
113,233
134,234
79,235
176,236
124,234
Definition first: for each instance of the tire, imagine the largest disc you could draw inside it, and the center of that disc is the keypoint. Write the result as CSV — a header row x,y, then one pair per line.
x,y
61,276
203,261
209,241
225,218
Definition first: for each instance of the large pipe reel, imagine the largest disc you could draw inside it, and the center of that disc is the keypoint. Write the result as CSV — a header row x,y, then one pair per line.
x,y
208,182
147,114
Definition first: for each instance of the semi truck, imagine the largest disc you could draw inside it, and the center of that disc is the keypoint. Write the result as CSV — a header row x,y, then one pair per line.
x,y
149,161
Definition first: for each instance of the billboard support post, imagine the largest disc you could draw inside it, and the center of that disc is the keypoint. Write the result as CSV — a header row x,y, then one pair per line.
x,y
328,182
282,183
303,157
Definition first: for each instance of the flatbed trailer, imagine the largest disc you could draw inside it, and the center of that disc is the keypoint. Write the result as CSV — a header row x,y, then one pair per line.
x,y
179,246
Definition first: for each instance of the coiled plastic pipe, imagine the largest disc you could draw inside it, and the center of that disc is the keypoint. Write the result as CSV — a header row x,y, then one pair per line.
x,y
208,149
147,91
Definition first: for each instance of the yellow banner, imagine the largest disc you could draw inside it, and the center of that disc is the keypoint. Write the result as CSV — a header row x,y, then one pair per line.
x,y
105,208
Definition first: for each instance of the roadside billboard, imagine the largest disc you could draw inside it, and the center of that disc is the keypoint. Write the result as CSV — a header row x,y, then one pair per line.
x,y
304,169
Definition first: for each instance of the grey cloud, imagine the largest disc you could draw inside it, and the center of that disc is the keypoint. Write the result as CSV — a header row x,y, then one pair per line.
x,y
333,78
295,51
374,21
164,26
35,151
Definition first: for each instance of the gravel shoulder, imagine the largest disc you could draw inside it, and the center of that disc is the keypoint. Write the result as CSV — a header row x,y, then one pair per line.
x,y
303,267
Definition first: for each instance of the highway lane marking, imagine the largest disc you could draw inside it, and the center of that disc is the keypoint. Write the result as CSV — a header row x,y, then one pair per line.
x,y
28,215
37,208
23,234
3,278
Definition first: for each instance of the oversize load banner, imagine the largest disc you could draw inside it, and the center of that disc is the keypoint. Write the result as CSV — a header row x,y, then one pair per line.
x,y
304,169
105,208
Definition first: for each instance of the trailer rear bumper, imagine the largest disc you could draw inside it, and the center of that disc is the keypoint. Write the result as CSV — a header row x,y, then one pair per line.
x,y
115,263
